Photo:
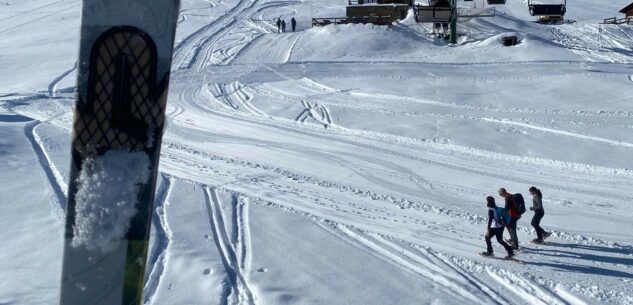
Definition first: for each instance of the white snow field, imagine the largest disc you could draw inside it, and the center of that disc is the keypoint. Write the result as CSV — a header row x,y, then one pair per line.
x,y
345,164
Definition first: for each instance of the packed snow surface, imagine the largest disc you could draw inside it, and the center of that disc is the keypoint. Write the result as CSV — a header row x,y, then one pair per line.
x,y
107,193
344,164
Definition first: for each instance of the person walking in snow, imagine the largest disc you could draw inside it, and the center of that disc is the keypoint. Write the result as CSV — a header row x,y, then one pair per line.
x,y
283,26
511,206
495,229
293,23
278,25
539,212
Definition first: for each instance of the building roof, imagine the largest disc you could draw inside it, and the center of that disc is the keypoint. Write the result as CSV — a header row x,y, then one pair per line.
x,y
626,8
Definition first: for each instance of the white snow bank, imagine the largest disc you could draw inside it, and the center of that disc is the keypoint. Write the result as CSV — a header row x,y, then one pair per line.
x,y
410,19
108,189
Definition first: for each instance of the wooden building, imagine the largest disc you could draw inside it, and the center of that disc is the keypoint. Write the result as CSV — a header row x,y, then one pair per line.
x,y
628,10
393,9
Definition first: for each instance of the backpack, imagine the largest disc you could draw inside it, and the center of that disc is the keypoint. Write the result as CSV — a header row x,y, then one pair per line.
x,y
519,203
504,216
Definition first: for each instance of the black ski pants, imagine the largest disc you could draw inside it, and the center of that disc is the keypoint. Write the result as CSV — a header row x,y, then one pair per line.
x,y
498,233
536,223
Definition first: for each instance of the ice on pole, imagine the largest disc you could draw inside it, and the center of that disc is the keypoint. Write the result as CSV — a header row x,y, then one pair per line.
x,y
108,188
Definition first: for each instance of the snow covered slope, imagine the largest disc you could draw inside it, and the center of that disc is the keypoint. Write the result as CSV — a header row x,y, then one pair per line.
x,y
343,164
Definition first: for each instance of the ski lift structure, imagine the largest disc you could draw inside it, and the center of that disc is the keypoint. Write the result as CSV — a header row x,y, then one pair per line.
x,y
378,12
481,12
437,11
386,11
491,2
548,13
444,12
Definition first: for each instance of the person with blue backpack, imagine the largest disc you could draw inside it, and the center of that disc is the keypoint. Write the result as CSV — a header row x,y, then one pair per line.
x,y
497,220
515,205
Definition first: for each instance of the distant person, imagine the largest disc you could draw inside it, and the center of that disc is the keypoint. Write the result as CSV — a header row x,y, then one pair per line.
x,y
278,25
495,229
539,212
283,26
293,23
513,209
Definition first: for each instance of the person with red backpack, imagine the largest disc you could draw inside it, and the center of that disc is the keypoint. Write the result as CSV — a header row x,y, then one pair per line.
x,y
516,206
496,223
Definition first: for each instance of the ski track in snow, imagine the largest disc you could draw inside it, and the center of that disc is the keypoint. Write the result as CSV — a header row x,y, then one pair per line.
x,y
228,41
158,254
401,202
560,132
198,42
52,174
52,87
453,273
411,262
449,165
240,292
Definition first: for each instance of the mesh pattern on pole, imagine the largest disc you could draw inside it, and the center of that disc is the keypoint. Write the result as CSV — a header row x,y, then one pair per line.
x,y
120,107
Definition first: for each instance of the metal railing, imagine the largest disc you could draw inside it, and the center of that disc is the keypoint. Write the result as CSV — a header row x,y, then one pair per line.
x,y
360,2
615,20
377,20
328,21
357,2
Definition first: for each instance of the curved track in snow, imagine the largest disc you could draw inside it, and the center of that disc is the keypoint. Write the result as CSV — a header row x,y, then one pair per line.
x,y
390,156
223,134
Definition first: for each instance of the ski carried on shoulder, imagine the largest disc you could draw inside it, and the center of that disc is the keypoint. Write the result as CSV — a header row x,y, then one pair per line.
x,y
123,75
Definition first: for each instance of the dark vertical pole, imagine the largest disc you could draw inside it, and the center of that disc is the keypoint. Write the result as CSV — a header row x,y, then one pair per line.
x,y
454,21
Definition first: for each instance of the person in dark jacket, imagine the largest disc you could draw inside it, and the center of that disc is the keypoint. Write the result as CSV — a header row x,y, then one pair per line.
x,y
539,212
494,229
283,26
293,22
278,25
514,215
